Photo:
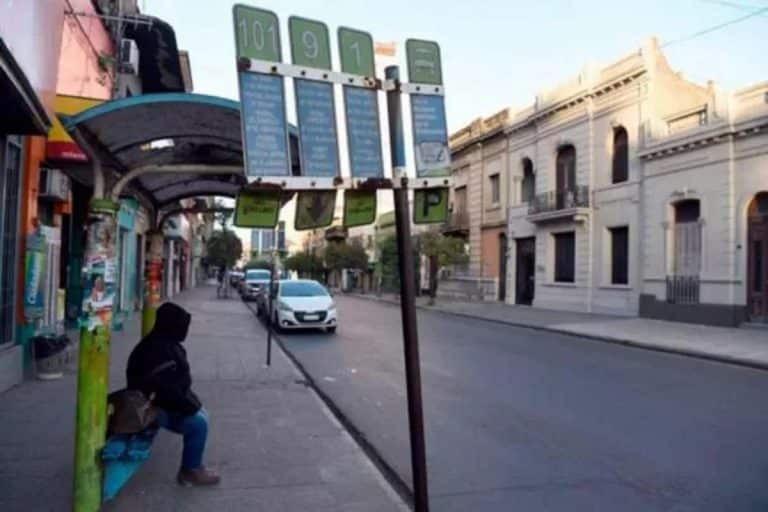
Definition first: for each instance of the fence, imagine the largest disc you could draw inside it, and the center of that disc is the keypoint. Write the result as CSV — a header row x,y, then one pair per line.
x,y
555,200
683,289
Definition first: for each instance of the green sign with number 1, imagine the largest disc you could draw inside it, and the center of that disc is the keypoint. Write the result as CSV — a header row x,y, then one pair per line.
x,y
257,33
356,51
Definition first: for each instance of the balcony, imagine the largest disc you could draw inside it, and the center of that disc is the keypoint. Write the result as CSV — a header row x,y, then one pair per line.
x,y
560,205
458,223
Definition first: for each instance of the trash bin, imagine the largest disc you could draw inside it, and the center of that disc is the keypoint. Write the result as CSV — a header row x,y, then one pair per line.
x,y
51,354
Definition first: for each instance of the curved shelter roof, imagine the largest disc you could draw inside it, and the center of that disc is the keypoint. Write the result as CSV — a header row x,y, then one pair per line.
x,y
188,144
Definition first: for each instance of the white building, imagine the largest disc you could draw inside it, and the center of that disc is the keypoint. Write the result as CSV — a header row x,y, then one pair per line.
x,y
628,189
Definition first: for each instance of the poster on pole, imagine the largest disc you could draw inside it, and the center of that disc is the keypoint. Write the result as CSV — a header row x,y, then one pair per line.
x,y
262,96
430,129
315,106
361,106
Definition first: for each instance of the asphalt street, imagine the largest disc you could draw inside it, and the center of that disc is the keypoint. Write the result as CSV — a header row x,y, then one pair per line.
x,y
524,420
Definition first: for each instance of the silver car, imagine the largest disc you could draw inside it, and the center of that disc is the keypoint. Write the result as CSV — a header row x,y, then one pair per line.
x,y
256,282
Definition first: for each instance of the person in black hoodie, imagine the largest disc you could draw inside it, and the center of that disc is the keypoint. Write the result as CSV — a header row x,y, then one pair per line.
x,y
158,367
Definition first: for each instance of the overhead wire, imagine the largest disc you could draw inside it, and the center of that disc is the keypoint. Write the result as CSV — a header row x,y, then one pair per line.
x,y
715,27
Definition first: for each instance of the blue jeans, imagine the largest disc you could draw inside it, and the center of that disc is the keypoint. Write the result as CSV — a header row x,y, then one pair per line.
x,y
194,428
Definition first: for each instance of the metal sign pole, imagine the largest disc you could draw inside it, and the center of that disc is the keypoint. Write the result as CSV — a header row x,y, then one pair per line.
x,y
270,308
407,297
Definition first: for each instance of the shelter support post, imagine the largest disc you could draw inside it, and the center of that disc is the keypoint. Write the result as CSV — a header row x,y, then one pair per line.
x,y
154,277
407,298
93,371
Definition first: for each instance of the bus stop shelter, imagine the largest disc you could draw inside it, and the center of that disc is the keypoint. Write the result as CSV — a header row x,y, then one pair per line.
x,y
160,148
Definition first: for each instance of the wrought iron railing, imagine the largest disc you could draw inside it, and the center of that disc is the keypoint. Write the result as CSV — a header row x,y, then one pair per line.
x,y
683,289
554,200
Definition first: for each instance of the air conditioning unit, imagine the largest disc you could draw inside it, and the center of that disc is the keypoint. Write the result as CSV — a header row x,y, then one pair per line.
x,y
129,57
54,185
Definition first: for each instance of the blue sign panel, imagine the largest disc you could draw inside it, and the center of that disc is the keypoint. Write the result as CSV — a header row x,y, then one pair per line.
x,y
317,128
363,135
265,133
430,136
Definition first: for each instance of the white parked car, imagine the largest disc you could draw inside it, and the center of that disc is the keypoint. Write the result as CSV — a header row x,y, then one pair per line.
x,y
304,304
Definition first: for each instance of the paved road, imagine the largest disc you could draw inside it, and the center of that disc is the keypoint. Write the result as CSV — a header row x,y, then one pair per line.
x,y
521,420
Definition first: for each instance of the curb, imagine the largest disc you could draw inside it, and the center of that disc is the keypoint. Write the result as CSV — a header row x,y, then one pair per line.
x,y
399,486
696,354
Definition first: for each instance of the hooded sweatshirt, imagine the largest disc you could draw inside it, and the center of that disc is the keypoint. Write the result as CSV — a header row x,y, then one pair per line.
x,y
158,364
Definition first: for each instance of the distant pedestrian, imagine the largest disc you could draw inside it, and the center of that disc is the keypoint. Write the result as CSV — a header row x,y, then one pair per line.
x,y
160,354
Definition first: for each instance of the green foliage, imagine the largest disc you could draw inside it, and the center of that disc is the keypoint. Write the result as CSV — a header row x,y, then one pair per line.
x,y
224,248
304,263
388,263
258,264
441,250
342,255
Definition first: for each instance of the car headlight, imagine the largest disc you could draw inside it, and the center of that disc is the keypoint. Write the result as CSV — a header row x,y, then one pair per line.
x,y
282,306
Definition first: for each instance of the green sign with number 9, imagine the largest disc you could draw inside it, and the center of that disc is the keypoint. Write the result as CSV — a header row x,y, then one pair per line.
x,y
356,51
310,44
257,33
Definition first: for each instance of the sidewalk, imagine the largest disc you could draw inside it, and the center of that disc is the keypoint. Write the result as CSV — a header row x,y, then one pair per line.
x,y
747,347
275,444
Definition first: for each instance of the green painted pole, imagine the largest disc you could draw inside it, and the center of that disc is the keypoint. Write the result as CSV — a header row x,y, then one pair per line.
x,y
154,273
93,371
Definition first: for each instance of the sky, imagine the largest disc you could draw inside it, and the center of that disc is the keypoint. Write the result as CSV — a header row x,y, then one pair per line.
x,y
496,54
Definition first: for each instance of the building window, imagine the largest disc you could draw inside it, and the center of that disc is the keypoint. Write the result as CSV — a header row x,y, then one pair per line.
x,y
620,255
565,179
683,284
460,199
495,189
528,185
565,257
10,180
620,155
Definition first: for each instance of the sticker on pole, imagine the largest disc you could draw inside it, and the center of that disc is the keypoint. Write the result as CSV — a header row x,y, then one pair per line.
x,y
430,205
361,106
359,207
257,208
262,96
314,209
315,106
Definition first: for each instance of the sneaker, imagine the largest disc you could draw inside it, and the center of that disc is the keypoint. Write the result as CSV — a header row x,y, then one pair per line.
x,y
198,477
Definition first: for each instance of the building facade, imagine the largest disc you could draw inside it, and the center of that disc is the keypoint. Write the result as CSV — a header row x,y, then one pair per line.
x,y
579,176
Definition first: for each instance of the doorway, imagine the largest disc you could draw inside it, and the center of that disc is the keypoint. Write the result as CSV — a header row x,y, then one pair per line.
x,y
525,270
502,267
757,259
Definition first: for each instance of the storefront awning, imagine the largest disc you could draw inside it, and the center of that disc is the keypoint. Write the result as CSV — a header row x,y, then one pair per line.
x,y
170,131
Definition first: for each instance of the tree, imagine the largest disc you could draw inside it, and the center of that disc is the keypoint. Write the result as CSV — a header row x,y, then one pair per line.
x,y
304,263
340,256
224,248
440,251
223,216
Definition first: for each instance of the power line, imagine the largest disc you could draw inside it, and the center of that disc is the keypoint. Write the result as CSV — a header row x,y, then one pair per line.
x,y
716,27
735,5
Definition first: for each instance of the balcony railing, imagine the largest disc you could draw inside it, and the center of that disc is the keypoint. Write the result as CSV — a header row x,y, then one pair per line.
x,y
555,200
683,289
457,221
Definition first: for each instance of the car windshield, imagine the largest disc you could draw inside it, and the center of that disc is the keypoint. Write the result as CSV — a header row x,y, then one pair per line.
x,y
257,275
302,289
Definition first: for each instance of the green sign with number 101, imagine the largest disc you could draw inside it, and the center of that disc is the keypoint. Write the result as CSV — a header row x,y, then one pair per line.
x,y
257,33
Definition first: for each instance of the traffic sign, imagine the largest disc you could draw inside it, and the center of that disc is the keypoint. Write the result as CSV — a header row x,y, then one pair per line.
x,y
310,44
359,207
430,136
262,96
424,64
257,33
257,208
265,130
314,209
361,106
430,205
315,106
